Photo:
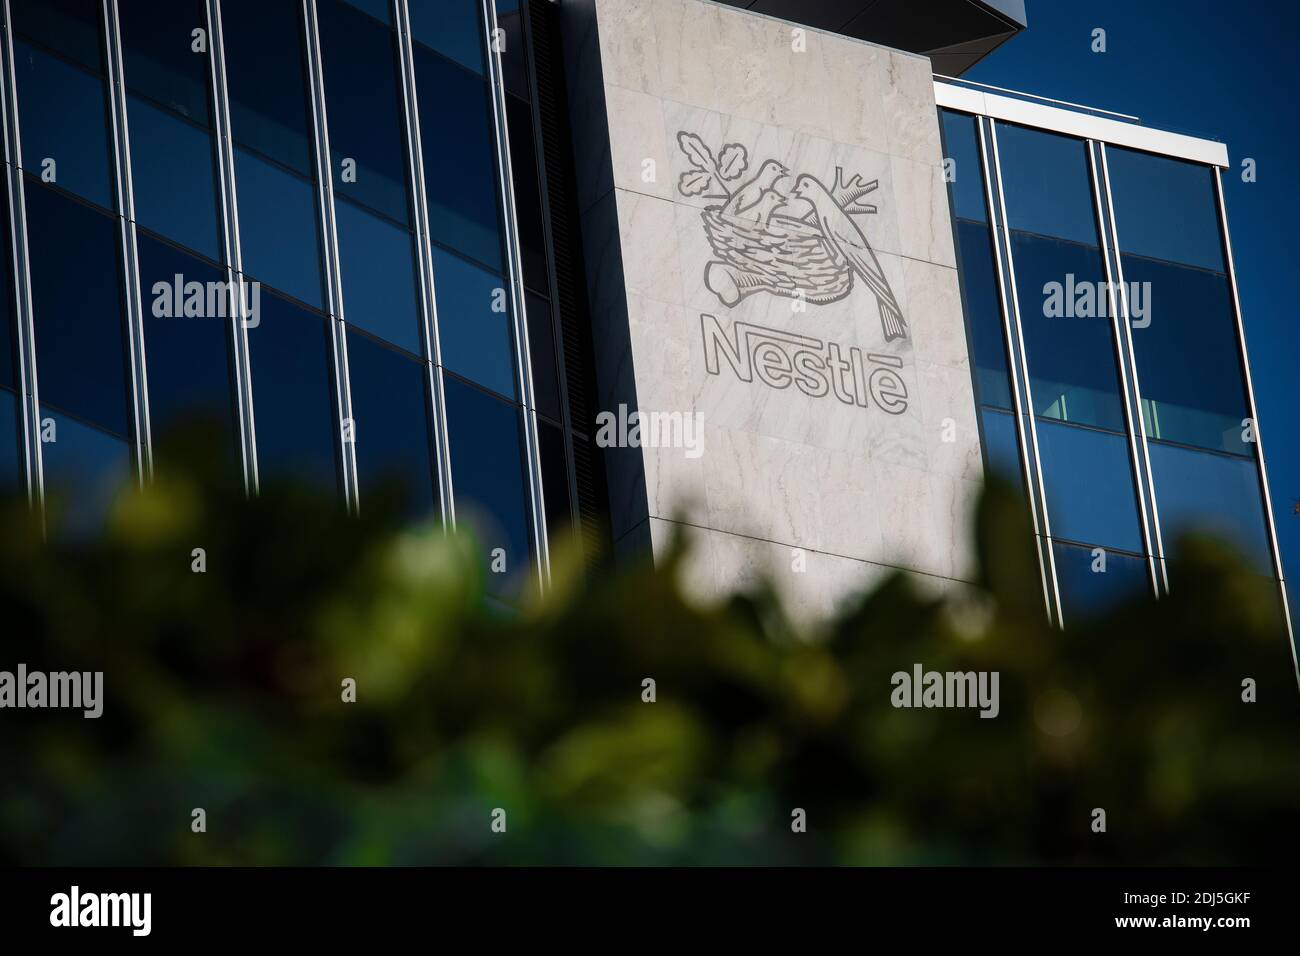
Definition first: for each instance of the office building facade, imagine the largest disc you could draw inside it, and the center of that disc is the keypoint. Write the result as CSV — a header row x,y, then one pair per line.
x,y
626,269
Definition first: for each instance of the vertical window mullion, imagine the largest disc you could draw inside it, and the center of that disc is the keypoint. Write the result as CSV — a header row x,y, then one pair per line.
x,y
333,278
29,400
130,252
514,267
1019,368
1144,480
233,254
425,277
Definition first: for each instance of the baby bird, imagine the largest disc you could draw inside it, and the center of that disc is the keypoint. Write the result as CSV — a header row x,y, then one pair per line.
x,y
750,193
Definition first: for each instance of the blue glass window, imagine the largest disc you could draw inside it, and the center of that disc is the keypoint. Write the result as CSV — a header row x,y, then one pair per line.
x,y
190,369
1215,494
294,400
528,197
364,109
983,307
1088,479
487,472
1188,363
158,56
173,175
390,408
555,481
81,344
377,262
459,158
966,184
514,64
452,27
1069,335
1002,447
63,115
267,80
1048,184
278,230
11,443
85,469
1165,209
1090,588
72,27
475,338
379,9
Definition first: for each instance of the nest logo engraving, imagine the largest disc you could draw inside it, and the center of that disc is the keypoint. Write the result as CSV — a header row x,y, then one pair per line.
x,y
780,359
783,234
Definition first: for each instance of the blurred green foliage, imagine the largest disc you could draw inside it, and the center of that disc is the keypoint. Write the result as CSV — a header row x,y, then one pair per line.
x,y
223,691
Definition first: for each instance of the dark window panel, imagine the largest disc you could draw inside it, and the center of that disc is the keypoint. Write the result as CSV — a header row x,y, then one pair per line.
x,y
81,343
294,400
158,56
1047,183
1188,362
966,186
1071,356
1088,479
279,233
541,349
73,27
1165,208
266,78
174,178
379,9
459,158
191,378
475,339
85,469
9,366
528,197
63,115
514,61
488,476
452,27
390,410
983,306
1215,494
555,481
1089,591
364,108
377,262
11,443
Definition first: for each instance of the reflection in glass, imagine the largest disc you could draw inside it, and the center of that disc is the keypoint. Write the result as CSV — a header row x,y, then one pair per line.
x,y
63,115
293,395
172,171
278,230
72,27
1165,208
389,407
190,370
983,307
1002,447
474,322
452,27
377,262
1188,363
966,185
367,146
1088,480
487,472
81,344
459,169
266,77
158,56
1093,584
1215,494
1069,336
1048,184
